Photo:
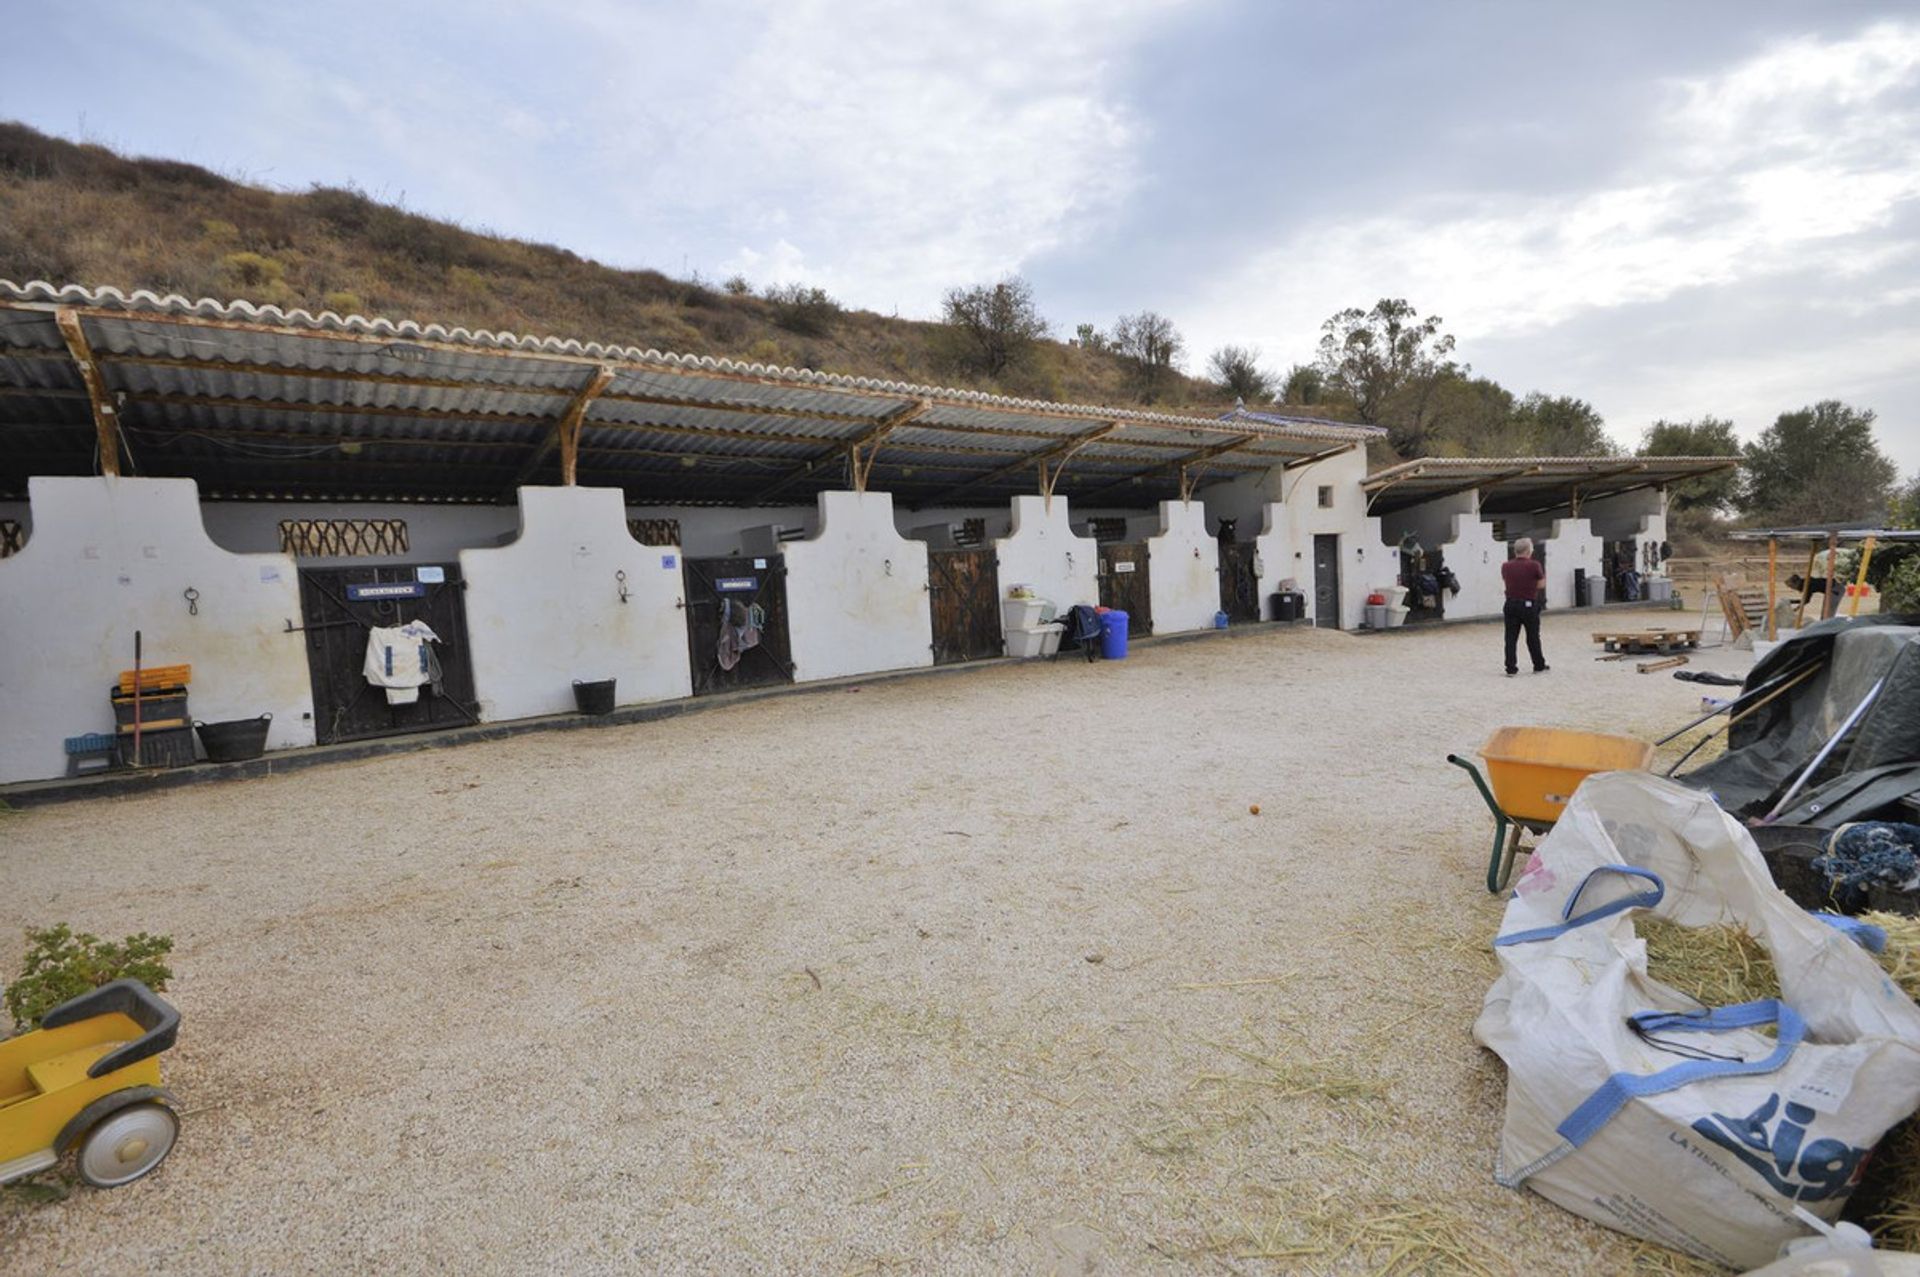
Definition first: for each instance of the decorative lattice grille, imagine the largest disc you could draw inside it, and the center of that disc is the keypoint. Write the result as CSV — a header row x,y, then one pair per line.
x,y
655,531
343,538
13,537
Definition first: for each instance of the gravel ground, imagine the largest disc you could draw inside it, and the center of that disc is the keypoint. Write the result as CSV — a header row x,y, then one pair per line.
x,y
980,973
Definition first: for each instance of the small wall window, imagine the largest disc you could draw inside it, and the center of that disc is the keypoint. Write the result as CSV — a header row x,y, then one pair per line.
x,y
1105,530
655,531
13,537
970,534
343,538
1326,496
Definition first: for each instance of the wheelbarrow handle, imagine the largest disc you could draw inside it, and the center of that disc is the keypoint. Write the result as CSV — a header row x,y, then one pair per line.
x,y
1479,783
1505,847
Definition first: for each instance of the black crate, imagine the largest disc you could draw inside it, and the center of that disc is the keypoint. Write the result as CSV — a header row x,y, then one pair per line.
x,y
166,747
168,706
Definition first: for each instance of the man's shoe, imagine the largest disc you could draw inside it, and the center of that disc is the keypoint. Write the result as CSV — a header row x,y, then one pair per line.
x,y
1541,669
1511,673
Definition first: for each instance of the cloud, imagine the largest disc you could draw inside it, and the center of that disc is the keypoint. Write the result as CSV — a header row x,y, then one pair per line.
x,y
1800,160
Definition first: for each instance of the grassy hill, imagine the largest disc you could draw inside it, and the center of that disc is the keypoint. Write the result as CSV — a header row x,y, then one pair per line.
x,y
79,213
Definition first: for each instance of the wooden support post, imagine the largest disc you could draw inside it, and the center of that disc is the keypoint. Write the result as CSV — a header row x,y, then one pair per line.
x,y
106,419
1806,589
1860,579
1773,570
565,434
1833,562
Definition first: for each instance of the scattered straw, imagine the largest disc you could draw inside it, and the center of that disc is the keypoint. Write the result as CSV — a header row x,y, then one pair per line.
x,y
1383,1234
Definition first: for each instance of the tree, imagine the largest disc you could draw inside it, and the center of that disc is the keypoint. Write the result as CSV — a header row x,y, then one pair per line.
x,y
1459,416
1562,426
1818,465
1089,338
800,309
1238,370
1151,347
998,322
1387,361
1305,385
1706,437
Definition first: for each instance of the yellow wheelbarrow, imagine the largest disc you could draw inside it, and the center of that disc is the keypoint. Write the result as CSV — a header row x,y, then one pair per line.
x,y
1534,770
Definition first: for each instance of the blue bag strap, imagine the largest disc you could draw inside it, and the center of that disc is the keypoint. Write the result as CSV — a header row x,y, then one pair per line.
x,y
1638,900
1869,937
1612,1095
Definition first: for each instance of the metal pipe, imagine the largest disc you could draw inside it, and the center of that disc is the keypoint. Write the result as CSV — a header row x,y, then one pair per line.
x,y
1729,724
1826,749
1718,710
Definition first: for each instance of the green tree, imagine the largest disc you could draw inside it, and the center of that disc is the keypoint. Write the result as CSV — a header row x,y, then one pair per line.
x,y
1562,426
1388,361
1151,347
997,323
1237,370
1305,385
1705,437
1459,416
1818,465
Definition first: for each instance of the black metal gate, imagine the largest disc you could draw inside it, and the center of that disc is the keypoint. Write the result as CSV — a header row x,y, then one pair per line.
x,y
740,595
1123,584
1326,581
1239,585
963,591
338,606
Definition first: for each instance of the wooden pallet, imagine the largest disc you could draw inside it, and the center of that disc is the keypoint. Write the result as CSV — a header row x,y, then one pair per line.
x,y
1639,641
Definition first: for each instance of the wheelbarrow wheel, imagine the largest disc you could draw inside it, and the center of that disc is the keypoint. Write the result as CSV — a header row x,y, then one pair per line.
x,y
127,1144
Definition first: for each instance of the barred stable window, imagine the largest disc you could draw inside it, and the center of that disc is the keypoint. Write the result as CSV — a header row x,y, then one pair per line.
x,y
13,537
655,531
970,533
343,538
1107,529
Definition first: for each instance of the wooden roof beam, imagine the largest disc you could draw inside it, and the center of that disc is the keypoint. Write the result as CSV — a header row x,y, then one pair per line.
x,y
1060,452
565,435
848,447
106,415
1182,464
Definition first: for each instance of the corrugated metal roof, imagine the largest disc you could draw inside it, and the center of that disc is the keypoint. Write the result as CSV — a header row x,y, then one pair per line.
x,y
1511,485
256,400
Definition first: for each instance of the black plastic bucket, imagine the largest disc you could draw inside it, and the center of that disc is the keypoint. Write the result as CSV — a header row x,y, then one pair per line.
x,y
594,698
234,742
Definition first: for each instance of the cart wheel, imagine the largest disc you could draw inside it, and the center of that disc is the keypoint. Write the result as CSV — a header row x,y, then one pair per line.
x,y
125,1145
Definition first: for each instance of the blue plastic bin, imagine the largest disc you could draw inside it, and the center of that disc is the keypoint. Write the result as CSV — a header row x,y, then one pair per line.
x,y
1113,636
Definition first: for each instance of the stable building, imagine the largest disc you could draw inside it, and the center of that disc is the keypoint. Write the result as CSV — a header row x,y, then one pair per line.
x,y
255,493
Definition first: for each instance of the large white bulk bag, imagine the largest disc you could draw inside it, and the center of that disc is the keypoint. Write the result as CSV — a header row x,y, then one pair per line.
x,y
1632,1105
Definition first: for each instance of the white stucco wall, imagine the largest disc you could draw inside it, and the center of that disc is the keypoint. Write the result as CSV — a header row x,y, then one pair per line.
x,y
1571,545
1281,511
435,533
109,556
1041,550
857,592
1183,569
1453,525
1639,516
544,609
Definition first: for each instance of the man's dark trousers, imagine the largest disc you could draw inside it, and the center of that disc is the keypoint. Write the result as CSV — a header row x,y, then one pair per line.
x,y
1523,614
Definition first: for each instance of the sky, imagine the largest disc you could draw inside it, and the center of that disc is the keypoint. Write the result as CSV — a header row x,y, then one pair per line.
x,y
1669,210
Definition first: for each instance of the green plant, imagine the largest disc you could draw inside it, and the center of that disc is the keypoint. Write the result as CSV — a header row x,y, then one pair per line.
x,y
61,963
1901,591
799,309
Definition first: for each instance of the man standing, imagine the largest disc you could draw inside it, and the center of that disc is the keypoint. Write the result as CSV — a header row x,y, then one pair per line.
x,y
1525,580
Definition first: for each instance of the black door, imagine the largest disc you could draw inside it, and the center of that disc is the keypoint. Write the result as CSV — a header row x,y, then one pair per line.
x,y
1123,584
1326,581
963,589
747,598
1239,587
338,606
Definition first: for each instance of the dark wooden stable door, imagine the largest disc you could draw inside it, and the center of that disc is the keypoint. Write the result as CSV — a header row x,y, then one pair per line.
x,y
1326,581
964,592
738,587
1123,584
345,706
1239,586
